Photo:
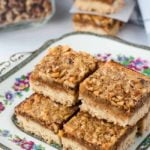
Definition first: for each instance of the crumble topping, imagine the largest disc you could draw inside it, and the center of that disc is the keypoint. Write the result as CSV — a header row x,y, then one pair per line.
x,y
65,66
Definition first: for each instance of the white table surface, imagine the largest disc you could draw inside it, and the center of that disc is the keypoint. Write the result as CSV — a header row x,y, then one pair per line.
x,y
32,38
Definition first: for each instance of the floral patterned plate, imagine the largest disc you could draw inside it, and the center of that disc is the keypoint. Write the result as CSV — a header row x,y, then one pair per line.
x,y
14,81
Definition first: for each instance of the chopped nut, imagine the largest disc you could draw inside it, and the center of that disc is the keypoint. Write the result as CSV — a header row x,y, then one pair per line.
x,y
55,75
121,103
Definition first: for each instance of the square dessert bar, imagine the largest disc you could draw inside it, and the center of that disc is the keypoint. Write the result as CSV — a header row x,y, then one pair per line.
x,y
96,24
42,117
84,132
100,6
116,93
144,124
60,72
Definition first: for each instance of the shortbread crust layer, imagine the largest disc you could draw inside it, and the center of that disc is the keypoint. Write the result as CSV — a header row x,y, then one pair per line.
x,y
31,127
144,124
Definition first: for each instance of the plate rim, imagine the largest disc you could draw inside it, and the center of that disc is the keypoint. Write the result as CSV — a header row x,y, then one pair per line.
x,y
37,51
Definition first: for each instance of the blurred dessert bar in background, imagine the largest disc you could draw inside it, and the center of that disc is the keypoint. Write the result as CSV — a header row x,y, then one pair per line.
x,y
98,16
96,24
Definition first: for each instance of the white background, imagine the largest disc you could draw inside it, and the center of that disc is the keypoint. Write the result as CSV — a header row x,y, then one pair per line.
x,y
32,38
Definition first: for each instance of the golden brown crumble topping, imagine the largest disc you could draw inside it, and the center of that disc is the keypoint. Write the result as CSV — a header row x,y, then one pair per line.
x,y
98,21
45,111
65,66
119,86
93,131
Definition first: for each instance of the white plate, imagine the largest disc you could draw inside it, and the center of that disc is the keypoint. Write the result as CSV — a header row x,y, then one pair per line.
x,y
14,86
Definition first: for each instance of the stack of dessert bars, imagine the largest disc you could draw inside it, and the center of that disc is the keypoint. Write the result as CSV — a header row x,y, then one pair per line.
x,y
92,16
81,103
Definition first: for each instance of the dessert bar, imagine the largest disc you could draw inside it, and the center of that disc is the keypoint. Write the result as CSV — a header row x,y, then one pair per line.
x,y
60,72
42,117
84,132
116,93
